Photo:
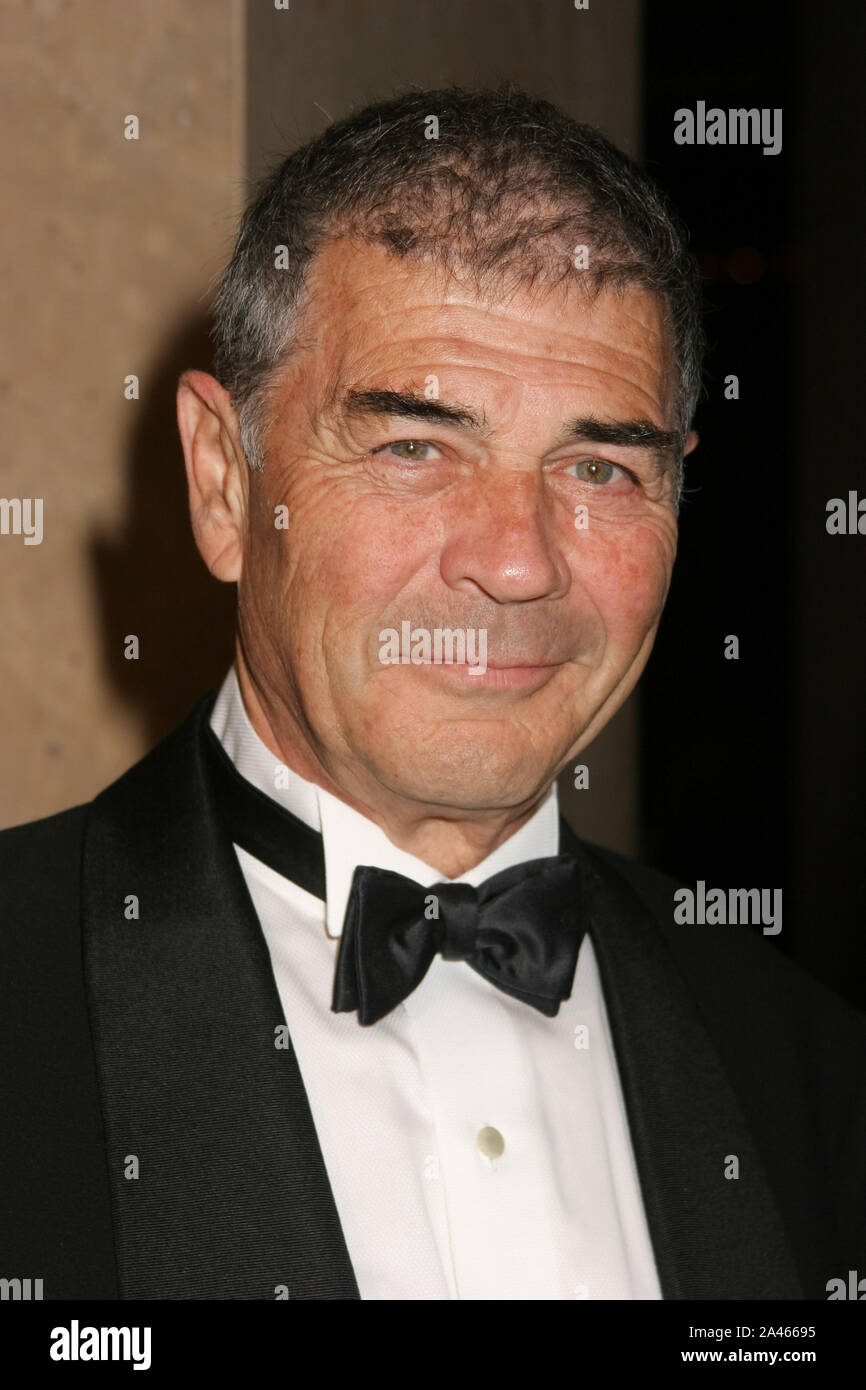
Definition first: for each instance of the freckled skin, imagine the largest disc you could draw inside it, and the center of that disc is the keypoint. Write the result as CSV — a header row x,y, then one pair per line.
x,y
475,532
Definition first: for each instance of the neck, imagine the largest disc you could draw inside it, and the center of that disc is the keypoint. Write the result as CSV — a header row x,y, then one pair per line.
x,y
452,841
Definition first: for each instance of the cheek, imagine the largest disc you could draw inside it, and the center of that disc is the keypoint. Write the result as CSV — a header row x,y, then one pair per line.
x,y
627,575
350,555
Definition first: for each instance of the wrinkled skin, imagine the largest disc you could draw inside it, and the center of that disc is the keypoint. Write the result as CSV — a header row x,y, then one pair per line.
x,y
467,528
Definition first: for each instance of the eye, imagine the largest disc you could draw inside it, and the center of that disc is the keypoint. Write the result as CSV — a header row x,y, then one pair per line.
x,y
598,471
411,450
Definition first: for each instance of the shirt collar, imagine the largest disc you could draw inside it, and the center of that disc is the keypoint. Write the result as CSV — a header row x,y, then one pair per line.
x,y
348,837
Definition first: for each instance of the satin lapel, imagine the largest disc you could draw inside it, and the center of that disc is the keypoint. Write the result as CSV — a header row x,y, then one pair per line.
x,y
713,1237
218,1182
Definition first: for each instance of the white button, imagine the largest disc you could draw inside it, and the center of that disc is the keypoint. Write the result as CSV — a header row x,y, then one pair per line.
x,y
490,1142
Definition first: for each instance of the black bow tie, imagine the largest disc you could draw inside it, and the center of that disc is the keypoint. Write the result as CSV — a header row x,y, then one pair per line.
x,y
520,929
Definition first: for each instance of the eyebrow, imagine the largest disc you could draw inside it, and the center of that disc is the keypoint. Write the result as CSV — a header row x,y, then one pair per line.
x,y
627,434
631,434
414,407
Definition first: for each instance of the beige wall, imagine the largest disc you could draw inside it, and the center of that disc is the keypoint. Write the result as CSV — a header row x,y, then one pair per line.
x,y
107,246
110,247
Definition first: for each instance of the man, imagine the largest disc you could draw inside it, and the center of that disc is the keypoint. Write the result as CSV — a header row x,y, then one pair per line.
x,y
322,1000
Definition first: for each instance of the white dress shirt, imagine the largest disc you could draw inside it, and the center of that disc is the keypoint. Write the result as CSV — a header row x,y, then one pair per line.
x,y
399,1105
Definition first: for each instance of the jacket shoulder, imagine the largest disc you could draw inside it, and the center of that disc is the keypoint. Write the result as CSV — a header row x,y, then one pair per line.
x,y
42,857
43,853
735,956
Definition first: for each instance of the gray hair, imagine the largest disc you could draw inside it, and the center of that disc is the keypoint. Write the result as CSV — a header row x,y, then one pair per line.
x,y
497,184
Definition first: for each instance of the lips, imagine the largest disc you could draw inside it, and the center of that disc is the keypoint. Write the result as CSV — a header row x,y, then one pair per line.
x,y
492,679
524,664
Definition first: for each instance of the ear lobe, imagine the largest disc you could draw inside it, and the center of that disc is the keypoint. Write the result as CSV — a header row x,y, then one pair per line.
x,y
691,442
208,427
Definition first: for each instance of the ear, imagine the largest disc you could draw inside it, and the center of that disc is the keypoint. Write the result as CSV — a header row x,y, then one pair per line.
x,y
691,443
216,472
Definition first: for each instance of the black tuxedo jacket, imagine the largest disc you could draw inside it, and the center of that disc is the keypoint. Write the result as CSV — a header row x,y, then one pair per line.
x,y
148,1045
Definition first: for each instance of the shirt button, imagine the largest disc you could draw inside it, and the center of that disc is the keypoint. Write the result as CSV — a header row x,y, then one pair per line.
x,y
490,1142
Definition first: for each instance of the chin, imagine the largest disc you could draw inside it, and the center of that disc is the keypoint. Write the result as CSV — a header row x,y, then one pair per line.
x,y
465,772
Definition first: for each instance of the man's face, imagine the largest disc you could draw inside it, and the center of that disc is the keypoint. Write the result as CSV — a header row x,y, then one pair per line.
x,y
559,548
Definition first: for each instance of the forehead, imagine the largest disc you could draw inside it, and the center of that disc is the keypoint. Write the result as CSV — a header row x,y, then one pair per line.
x,y
372,319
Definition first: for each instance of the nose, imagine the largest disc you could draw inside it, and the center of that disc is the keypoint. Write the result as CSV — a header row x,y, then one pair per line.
x,y
502,540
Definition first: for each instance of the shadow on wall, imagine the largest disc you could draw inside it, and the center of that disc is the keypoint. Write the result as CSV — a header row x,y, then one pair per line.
x,y
148,577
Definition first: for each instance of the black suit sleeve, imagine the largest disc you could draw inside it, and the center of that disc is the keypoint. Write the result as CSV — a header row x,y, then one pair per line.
x,y
55,1221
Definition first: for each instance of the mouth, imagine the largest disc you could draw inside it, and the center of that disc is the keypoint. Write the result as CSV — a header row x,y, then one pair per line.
x,y
504,676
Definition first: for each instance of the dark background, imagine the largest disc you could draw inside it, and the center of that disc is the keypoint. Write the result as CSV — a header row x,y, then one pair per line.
x,y
753,770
